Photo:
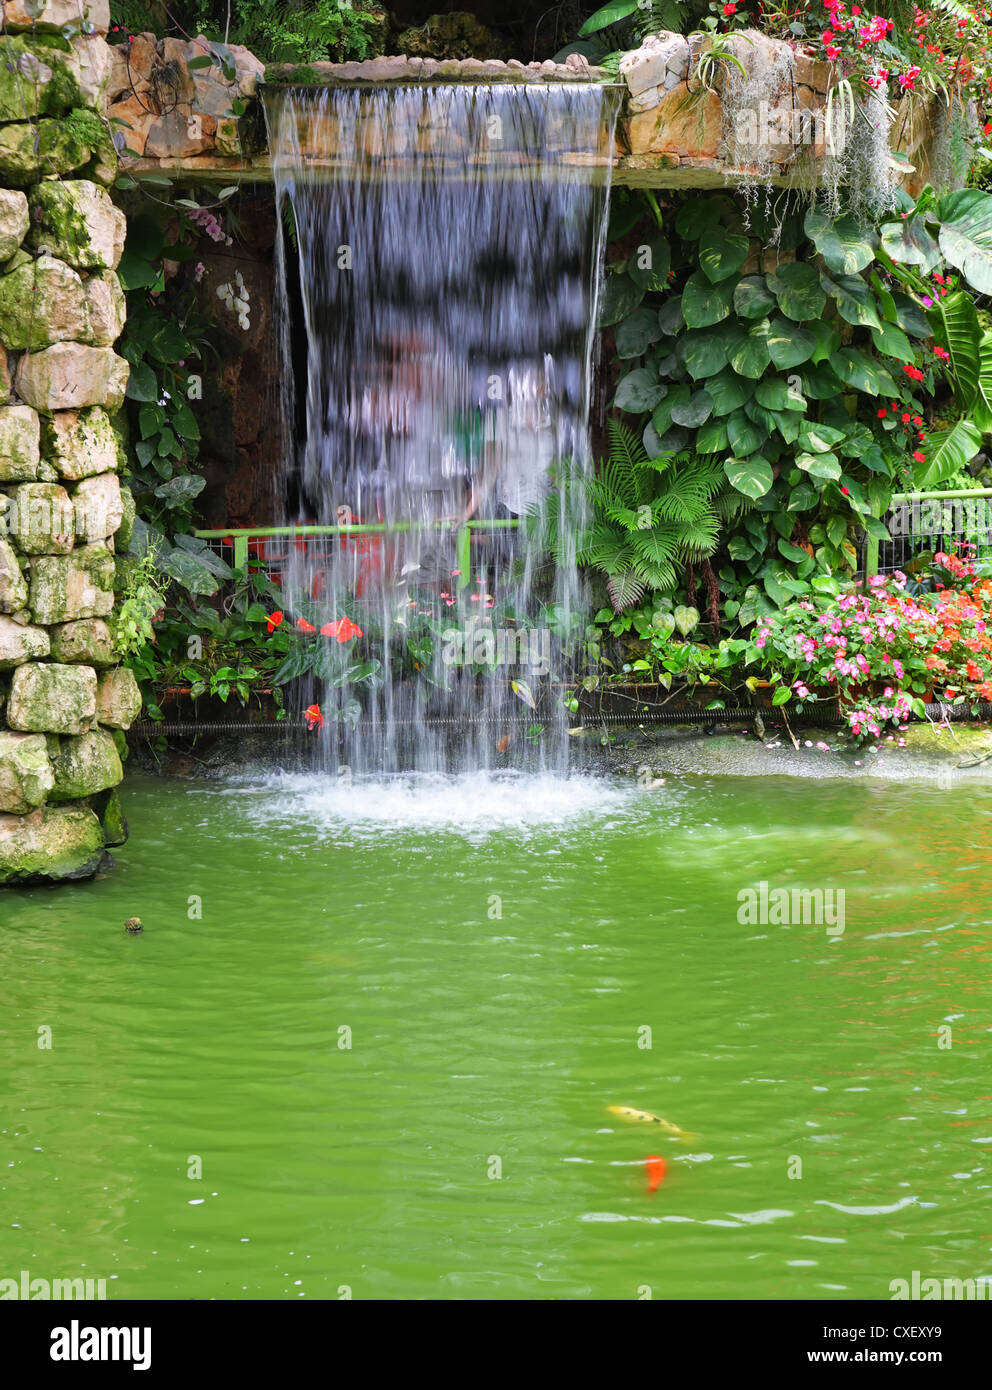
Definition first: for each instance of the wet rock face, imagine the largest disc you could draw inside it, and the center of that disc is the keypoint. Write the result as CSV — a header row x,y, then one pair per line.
x,y
63,703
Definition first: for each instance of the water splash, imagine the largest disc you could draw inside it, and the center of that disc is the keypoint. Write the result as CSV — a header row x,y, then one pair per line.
x,y
449,242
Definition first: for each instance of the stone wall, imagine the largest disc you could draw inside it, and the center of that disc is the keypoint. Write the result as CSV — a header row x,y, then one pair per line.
x,y
64,701
767,124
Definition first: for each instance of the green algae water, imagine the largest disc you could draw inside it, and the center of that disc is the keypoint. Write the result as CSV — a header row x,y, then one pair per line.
x,y
385,1022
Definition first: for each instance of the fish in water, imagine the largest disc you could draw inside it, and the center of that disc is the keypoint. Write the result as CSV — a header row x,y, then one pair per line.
x,y
645,1117
655,1165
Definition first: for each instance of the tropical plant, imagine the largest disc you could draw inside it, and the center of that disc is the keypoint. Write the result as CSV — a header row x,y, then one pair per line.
x,y
652,516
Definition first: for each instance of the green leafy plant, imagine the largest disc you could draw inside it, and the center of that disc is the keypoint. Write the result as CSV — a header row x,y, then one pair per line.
x,y
652,516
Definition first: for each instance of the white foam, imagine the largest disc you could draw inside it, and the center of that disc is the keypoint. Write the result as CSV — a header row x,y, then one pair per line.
x,y
472,805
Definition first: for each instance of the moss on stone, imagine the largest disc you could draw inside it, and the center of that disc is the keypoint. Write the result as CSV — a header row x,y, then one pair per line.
x,y
293,75
108,810
52,843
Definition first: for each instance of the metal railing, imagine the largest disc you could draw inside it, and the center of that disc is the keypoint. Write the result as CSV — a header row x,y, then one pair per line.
x,y
264,540
922,523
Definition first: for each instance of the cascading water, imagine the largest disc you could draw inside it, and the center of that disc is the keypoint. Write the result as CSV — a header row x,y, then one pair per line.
x,y
449,242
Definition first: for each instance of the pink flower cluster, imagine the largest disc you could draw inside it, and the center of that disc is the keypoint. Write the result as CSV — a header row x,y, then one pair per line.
x,y
208,223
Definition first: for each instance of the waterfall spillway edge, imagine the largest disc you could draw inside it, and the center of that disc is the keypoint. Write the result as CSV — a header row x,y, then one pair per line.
x,y
440,255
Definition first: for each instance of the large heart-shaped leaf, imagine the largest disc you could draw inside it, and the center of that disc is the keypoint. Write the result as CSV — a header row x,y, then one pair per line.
x,y
818,439
752,297
827,340
744,435
789,344
776,394
704,352
638,391
711,437
909,243
650,262
753,354
841,241
703,303
819,465
695,216
670,317
636,333
620,297
864,373
966,235
728,391
721,253
854,300
751,476
797,287
893,342
909,316
694,411
821,382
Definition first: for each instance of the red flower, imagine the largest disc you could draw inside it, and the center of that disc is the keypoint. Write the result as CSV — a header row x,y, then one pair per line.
x,y
314,718
304,626
730,9
845,491
920,456
343,629
881,414
274,620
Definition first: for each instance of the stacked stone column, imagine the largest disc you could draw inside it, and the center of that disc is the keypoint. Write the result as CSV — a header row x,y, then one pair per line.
x,y
64,700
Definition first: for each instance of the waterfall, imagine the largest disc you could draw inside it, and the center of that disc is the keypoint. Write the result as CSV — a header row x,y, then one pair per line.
x,y
442,245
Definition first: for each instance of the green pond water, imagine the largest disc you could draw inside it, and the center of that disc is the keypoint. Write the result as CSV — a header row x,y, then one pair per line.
x,y
484,1043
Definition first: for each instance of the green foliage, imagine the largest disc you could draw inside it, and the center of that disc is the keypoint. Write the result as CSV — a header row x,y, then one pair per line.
x,y
293,31
140,598
786,380
651,517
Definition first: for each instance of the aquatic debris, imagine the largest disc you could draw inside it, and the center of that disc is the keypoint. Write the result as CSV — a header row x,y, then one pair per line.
x,y
627,1112
133,926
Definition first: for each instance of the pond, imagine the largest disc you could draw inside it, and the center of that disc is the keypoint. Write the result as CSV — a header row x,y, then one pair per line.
x,y
383,1023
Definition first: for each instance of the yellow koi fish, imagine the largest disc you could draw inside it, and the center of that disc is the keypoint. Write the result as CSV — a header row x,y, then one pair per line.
x,y
645,1117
